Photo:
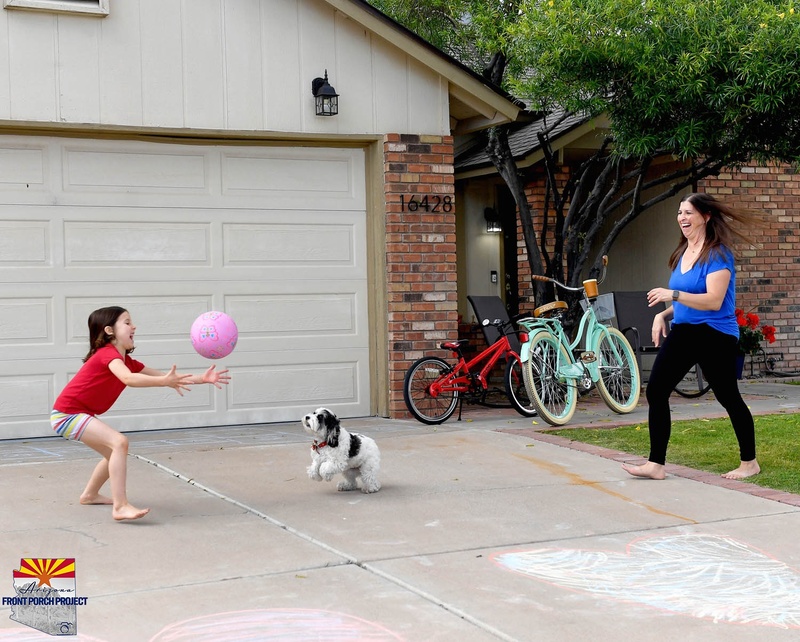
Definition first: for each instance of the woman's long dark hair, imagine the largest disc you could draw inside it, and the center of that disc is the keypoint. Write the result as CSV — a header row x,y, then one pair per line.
x,y
719,231
98,321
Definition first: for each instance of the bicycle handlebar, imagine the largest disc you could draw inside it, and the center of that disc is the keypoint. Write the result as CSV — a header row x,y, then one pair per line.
x,y
547,279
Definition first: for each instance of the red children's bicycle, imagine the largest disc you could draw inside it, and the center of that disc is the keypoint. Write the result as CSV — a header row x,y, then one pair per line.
x,y
433,387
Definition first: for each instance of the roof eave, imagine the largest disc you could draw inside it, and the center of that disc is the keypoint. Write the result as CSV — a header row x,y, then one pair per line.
x,y
535,155
488,104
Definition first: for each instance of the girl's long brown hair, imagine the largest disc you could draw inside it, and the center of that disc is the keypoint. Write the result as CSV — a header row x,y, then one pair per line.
x,y
98,321
719,231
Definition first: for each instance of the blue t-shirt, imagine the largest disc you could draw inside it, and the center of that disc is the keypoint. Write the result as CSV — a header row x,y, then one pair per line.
x,y
694,282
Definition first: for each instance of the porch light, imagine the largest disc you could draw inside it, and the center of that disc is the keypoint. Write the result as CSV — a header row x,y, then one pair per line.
x,y
325,96
492,220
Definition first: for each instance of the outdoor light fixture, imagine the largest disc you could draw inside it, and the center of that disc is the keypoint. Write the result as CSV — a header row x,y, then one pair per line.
x,y
325,96
492,220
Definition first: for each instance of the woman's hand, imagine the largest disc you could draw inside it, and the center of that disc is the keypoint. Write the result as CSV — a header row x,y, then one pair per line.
x,y
216,378
659,295
659,330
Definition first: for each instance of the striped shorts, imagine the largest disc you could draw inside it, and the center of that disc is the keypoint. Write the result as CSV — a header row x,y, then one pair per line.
x,y
69,426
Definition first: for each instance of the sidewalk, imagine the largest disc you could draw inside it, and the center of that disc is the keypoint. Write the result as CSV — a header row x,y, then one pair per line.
x,y
485,529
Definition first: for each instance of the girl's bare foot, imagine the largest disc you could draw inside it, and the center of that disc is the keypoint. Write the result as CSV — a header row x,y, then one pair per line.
x,y
128,512
649,470
746,469
95,499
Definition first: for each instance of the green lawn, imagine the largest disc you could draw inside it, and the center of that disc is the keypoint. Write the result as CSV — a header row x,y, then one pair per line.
x,y
710,445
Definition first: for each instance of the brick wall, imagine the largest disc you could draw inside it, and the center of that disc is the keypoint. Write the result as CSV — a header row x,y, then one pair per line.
x,y
535,193
768,277
420,252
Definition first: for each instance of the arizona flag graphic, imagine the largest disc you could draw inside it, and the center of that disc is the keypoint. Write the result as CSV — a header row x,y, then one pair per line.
x,y
57,574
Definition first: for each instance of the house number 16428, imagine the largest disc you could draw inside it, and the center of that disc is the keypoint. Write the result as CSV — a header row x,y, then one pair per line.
x,y
434,203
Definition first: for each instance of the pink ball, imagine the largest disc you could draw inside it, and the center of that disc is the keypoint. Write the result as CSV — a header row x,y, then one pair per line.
x,y
214,335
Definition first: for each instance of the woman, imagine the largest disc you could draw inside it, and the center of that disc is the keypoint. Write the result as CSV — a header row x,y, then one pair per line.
x,y
702,290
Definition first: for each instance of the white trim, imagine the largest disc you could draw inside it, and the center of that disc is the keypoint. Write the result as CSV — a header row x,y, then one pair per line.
x,y
94,7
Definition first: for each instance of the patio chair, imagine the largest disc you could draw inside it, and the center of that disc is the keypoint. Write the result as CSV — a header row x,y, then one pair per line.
x,y
492,308
635,321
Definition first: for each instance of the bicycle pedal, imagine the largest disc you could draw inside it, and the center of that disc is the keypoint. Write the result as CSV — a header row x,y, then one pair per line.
x,y
588,357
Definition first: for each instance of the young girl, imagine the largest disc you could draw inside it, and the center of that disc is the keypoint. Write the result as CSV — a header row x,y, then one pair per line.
x,y
107,369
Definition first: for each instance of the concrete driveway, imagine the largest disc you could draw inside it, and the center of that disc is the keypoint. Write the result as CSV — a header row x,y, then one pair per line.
x,y
485,529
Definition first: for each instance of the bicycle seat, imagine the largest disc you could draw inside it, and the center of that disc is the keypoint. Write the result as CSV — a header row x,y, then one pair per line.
x,y
550,309
454,345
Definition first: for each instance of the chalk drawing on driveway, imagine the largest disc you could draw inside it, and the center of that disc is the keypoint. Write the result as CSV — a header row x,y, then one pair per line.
x,y
704,576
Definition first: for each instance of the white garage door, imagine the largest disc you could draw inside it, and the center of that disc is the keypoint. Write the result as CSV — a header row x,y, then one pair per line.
x,y
274,236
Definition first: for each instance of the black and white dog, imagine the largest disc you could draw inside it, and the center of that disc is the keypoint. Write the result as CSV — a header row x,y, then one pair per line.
x,y
337,451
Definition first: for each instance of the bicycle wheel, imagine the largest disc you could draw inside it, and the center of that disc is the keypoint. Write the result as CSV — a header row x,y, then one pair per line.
x,y
553,397
425,407
619,381
515,388
693,385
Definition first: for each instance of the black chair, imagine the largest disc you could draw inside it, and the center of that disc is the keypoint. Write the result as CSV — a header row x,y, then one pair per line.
x,y
635,321
493,308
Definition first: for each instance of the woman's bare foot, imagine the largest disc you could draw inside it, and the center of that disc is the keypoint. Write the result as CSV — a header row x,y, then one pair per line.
x,y
87,500
649,470
746,469
128,512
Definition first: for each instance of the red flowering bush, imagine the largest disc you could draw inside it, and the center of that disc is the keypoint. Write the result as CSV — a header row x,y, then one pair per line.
x,y
750,334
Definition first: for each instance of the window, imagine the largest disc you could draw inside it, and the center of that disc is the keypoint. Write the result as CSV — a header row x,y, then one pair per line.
x,y
93,7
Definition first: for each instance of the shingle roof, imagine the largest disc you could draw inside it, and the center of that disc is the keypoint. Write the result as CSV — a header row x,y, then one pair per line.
x,y
523,139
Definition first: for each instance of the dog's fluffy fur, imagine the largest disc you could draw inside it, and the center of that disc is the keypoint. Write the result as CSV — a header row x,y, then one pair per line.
x,y
337,451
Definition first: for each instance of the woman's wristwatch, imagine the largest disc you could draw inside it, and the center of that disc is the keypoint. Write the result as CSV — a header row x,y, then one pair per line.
x,y
675,294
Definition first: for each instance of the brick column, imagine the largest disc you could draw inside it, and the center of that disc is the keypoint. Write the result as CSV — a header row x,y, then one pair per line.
x,y
420,252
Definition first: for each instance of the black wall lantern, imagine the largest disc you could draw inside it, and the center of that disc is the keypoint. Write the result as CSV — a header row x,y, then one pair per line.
x,y
325,96
492,220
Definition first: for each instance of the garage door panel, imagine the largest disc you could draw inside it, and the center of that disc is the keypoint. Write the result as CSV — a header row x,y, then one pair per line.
x,y
157,318
144,174
302,244
266,319
300,383
311,314
26,396
274,236
159,400
26,322
324,179
131,243
25,243
23,165
92,170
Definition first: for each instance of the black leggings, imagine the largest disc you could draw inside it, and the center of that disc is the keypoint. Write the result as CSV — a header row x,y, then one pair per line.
x,y
685,345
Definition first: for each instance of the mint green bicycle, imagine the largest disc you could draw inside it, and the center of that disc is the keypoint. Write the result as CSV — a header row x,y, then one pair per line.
x,y
554,368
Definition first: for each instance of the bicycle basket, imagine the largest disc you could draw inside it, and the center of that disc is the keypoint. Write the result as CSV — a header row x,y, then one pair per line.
x,y
604,308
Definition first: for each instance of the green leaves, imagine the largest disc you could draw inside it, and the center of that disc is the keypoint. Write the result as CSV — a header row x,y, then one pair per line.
x,y
691,77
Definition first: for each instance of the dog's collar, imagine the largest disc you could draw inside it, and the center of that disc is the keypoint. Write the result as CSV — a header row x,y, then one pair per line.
x,y
318,445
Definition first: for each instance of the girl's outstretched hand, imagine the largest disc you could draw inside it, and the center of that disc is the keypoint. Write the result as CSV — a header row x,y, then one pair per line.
x,y
216,378
180,382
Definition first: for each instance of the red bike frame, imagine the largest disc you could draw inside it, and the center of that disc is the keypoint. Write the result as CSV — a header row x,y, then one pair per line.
x,y
455,382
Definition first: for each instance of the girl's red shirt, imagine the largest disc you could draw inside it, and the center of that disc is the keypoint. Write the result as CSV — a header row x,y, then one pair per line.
x,y
94,389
